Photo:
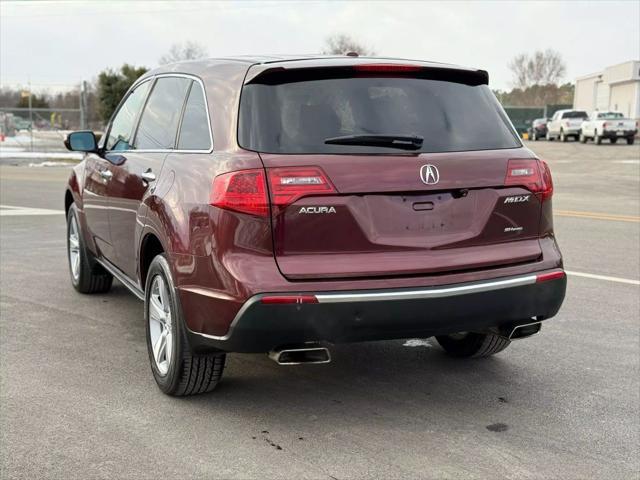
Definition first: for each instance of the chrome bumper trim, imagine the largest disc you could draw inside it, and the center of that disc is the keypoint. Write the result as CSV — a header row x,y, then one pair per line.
x,y
478,287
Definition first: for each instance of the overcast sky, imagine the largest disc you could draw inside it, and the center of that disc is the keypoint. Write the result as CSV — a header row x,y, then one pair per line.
x,y
64,42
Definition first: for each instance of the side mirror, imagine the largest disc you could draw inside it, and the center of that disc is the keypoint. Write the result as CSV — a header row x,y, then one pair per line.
x,y
84,141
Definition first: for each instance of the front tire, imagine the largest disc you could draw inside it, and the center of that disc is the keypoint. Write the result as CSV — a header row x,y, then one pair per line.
x,y
613,140
582,138
472,345
176,369
87,276
563,137
597,139
534,136
630,140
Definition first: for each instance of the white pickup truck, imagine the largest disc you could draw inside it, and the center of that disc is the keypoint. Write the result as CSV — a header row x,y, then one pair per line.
x,y
565,124
611,125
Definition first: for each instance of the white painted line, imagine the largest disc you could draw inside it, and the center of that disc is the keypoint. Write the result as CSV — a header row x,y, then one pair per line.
x,y
13,211
604,277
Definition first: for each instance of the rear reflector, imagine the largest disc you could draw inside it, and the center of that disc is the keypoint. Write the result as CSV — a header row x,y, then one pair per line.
x,y
532,174
290,184
545,277
242,191
288,299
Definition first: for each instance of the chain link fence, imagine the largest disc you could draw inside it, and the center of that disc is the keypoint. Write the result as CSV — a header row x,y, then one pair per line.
x,y
36,120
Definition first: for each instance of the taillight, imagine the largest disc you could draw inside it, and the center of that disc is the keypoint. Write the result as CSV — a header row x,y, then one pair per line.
x,y
290,184
604,125
532,174
242,191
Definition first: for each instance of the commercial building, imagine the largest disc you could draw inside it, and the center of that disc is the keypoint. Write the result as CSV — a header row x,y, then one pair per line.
x,y
615,88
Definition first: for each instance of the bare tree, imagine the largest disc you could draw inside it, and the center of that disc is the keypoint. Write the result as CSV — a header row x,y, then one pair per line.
x,y
180,52
342,44
542,68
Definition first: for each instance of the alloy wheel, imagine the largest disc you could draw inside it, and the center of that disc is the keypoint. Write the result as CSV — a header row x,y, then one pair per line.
x,y
160,324
74,248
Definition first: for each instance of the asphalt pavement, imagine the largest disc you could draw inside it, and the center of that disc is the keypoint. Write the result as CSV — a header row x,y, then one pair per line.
x,y
77,399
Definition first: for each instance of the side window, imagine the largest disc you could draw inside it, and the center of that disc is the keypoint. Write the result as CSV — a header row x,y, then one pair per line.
x,y
122,125
159,122
194,132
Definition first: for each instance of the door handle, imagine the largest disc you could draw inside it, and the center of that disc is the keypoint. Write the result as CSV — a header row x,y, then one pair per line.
x,y
148,175
106,174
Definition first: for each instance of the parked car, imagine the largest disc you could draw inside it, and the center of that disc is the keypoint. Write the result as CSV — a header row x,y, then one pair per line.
x,y
271,205
22,123
538,129
610,125
565,124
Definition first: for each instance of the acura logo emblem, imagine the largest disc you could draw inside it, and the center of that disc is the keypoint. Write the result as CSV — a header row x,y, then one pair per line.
x,y
429,174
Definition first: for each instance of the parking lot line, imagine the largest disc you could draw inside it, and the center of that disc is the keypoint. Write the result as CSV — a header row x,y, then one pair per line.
x,y
13,211
597,216
606,278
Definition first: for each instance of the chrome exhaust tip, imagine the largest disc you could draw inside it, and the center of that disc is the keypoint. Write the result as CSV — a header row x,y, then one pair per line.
x,y
300,355
524,331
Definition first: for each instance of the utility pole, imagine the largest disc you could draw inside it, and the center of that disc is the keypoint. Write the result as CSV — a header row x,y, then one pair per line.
x,y
30,117
83,105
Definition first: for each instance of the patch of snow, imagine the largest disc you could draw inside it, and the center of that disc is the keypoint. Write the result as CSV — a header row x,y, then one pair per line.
x,y
50,163
53,155
418,342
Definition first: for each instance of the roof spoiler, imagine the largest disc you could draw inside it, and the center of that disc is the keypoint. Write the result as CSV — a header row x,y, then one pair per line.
x,y
276,75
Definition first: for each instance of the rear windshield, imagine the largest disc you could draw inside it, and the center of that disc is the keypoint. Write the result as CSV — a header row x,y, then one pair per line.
x,y
610,115
298,117
576,114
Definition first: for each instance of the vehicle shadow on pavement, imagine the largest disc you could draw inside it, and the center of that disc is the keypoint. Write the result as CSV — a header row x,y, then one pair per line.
x,y
383,380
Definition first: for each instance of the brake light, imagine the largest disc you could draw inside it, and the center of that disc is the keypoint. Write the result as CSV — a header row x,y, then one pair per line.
x,y
290,184
288,299
532,174
386,68
242,191
604,125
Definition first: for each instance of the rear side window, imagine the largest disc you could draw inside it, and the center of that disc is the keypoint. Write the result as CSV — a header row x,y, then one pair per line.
x,y
576,114
298,117
194,131
122,125
158,126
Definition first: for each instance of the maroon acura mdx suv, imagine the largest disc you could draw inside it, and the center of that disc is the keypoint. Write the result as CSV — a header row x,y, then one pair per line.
x,y
280,205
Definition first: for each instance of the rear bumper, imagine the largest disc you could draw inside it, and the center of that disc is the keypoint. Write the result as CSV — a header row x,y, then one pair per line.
x,y
614,133
354,316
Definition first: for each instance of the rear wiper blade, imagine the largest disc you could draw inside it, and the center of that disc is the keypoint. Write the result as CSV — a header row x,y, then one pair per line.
x,y
405,142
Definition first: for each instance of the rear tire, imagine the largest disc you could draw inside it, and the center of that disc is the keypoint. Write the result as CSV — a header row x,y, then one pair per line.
x,y
583,139
472,345
177,370
563,137
613,140
534,136
630,140
549,137
597,139
87,276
